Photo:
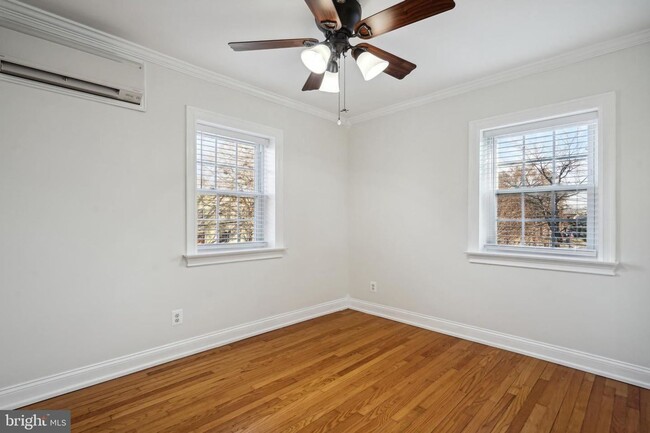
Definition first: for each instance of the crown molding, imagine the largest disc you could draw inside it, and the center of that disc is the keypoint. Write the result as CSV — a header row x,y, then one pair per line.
x,y
22,17
544,65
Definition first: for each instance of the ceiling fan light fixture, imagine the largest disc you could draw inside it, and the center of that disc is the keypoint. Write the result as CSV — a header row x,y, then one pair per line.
x,y
316,58
330,82
370,65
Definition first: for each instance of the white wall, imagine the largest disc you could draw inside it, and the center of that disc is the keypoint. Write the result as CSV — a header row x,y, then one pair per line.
x,y
92,226
408,217
92,222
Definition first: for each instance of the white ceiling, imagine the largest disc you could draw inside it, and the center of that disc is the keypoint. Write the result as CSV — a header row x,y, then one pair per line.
x,y
477,38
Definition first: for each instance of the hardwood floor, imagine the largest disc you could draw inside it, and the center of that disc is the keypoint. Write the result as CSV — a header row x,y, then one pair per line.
x,y
349,372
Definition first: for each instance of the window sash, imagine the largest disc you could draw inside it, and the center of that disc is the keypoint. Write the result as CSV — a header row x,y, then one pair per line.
x,y
237,138
489,184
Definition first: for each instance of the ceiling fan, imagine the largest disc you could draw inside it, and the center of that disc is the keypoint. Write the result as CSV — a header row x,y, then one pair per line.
x,y
340,21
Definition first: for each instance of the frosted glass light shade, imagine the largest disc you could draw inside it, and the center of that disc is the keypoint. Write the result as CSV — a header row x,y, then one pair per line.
x,y
330,83
370,65
316,58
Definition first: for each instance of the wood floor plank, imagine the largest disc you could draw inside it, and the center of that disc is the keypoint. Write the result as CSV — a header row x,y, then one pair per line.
x,y
619,414
350,372
594,406
580,408
561,422
644,410
521,391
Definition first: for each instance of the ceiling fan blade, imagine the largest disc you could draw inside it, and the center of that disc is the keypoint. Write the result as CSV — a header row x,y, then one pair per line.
x,y
397,67
325,13
272,44
313,82
400,15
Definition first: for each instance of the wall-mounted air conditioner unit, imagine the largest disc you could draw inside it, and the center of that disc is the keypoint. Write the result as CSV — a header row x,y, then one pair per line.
x,y
98,76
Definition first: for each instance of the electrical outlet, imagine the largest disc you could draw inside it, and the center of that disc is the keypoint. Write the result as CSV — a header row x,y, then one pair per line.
x,y
373,286
177,317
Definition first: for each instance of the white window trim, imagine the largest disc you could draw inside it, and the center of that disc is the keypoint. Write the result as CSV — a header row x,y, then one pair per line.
x,y
605,262
275,247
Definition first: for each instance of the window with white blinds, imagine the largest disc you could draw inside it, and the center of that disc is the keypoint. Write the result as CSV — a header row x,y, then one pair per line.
x,y
230,198
542,187
540,178
234,190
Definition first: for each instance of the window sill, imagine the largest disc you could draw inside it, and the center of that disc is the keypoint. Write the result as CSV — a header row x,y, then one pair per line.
x,y
220,257
566,264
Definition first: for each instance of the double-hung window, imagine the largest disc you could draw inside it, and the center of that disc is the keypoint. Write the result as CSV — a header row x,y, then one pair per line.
x,y
542,190
230,194
233,199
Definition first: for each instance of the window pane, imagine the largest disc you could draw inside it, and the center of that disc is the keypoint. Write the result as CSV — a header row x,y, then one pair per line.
x,y
538,234
206,232
572,204
509,206
206,207
571,234
538,173
572,171
508,233
225,178
227,232
206,148
509,161
246,208
205,175
246,156
205,157
574,212
538,205
539,158
226,152
572,141
246,231
245,180
227,207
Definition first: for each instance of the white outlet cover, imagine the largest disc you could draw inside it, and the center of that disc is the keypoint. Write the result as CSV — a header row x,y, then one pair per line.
x,y
177,317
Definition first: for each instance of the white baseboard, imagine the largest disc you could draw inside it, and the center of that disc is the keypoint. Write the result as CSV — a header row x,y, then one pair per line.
x,y
613,369
40,389
57,384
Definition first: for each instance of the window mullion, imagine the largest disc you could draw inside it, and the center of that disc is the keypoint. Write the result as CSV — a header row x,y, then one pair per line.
x,y
554,180
522,201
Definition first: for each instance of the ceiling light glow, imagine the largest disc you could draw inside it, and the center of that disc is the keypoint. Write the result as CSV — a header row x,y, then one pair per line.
x,y
370,65
316,58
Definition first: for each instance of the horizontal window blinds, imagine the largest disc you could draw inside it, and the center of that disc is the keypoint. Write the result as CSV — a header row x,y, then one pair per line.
x,y
538,184
230,196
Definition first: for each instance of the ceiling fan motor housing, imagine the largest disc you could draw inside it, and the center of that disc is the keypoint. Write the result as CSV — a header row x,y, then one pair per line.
x,y
349,13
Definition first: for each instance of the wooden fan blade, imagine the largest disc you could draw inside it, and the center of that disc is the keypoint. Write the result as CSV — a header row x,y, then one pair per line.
x,y
272,44
313,82
325,13
397,67
400,15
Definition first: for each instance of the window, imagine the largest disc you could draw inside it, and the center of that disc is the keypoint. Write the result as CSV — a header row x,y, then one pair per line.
x,y
232,189
541,188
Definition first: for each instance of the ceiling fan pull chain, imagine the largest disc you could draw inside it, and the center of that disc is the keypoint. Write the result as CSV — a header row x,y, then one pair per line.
x,y
338,122
345,85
